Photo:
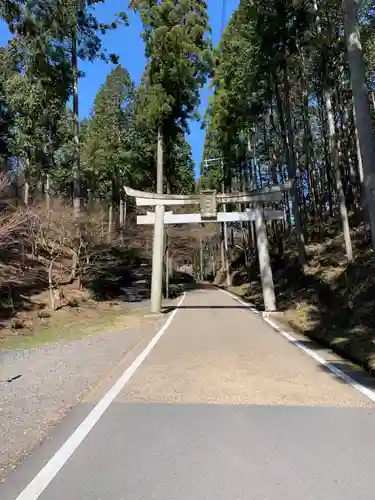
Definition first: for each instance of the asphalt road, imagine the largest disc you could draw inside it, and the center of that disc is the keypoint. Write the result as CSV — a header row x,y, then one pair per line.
x,y
222,408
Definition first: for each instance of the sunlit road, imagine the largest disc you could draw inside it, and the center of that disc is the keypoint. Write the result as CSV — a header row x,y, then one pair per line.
x,y
221,408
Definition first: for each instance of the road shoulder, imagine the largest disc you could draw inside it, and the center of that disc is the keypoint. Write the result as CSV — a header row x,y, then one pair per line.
x,y
47,382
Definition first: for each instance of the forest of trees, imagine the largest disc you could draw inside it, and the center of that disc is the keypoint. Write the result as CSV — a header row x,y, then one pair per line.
x,y
292,100
43,141
62,173
289,103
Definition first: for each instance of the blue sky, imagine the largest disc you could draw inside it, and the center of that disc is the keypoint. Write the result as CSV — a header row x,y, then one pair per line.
x,y
126,43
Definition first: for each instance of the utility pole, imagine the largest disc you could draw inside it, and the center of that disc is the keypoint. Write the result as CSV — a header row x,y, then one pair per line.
x,y
201,257
158,241
225,229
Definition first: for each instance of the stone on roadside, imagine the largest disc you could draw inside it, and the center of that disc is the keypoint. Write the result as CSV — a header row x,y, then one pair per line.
x,y
44,314
18,324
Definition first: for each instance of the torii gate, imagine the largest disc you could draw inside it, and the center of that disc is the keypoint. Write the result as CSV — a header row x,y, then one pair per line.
x,y
208,201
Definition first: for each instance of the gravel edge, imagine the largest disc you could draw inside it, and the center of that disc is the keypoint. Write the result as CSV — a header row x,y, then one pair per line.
x,y
48,381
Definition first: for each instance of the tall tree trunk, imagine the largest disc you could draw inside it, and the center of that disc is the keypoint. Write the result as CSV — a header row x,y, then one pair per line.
x,y
121,214
326,155
167,271
47,192
201,255
361,176
327,161
347,145
248,187
110,222
76,161
26,190
336,169
160,162
125,212
362,107
359,157
225,254
287,138
308,146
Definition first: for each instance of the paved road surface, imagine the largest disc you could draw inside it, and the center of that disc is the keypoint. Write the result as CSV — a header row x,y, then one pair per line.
x,y
223,408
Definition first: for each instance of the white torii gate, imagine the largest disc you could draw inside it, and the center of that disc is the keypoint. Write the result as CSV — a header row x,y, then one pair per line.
x,y
208,201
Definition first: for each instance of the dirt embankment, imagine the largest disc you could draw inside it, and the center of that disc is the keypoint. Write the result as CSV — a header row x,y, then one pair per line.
x,y
114,276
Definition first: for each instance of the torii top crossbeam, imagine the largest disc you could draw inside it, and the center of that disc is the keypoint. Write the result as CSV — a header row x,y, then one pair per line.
x,y
268,194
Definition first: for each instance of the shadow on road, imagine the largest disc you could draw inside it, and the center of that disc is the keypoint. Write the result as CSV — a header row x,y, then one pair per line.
x,y
354,371
169,309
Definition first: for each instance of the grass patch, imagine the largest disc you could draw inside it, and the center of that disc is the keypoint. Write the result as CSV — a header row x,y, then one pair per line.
x,y
71,324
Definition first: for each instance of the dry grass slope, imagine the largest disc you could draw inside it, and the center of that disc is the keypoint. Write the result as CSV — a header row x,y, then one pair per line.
x,y
40,298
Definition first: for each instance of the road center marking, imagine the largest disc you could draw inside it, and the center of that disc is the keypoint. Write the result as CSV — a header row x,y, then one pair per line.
x,y
365,391
40,482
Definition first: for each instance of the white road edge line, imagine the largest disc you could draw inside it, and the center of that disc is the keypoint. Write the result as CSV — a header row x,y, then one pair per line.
x,y
339,373
246,304
40,482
